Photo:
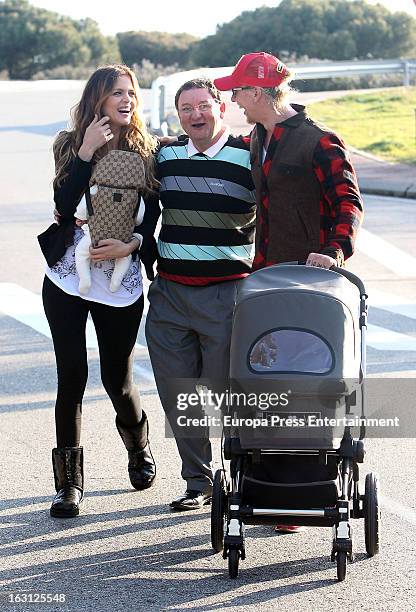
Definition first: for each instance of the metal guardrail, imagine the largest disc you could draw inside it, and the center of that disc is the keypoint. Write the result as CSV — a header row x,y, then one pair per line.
x,y
165,87
324,70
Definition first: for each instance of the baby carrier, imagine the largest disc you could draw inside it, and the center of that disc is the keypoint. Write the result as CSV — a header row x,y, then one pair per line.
x,y
113,196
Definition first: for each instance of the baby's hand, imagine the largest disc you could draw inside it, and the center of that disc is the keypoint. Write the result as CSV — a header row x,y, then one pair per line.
x,y
80,222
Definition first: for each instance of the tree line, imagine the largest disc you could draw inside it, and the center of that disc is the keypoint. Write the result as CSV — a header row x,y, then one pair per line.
x,y
320,29
37,43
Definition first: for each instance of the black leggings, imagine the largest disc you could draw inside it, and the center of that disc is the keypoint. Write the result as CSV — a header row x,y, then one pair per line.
x,y
116,329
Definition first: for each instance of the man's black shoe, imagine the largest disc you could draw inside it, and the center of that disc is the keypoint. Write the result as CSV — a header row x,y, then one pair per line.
x,y
191,500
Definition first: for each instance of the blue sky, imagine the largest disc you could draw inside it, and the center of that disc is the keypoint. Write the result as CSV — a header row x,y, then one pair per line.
x,y
197,17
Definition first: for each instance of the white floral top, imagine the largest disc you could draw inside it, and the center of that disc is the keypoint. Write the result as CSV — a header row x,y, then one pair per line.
x,y
64,275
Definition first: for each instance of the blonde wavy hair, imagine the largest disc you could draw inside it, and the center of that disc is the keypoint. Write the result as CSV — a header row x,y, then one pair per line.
x,y
281,94
134,137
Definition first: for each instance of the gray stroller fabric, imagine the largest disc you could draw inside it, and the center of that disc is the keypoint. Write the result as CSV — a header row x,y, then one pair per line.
x,y
296,330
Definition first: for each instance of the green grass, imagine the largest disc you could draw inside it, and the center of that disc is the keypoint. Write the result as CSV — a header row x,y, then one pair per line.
x,y
382,123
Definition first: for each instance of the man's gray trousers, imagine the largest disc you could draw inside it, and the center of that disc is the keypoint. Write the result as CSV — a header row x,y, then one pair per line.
x,y
188,332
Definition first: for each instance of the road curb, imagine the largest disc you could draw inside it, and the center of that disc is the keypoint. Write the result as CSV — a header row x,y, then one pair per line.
x,y
408,193
368,183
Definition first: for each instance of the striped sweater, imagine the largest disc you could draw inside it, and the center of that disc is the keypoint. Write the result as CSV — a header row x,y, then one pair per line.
x,y
208,215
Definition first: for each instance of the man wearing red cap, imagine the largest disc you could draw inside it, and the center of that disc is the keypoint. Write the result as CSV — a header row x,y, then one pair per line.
x,y
309,206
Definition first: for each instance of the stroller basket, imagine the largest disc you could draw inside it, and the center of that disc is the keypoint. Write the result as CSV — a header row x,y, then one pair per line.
x,y
286,481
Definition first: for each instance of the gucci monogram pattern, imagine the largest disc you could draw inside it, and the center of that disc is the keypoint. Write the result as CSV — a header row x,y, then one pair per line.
x,y
112,218
119,169
119,177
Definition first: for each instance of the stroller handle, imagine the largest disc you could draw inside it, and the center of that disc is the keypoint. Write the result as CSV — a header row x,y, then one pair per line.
x,y
353,278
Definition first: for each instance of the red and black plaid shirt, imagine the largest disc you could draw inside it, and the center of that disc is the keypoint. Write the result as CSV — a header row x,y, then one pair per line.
x,y
341,207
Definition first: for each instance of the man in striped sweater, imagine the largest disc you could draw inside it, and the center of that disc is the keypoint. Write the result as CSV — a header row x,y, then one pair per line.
x,y
204,250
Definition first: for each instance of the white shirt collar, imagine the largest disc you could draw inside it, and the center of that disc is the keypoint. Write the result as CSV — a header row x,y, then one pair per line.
x,y
214,149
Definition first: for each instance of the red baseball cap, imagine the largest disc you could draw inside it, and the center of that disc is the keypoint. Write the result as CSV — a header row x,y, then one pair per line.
x,y
255,69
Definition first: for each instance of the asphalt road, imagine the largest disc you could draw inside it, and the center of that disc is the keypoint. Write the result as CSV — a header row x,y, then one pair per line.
x,y
126,550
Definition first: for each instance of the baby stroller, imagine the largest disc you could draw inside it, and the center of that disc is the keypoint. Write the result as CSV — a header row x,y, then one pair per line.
x,y
299,335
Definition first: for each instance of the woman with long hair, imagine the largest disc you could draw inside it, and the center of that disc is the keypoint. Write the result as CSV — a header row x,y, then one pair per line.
x,y
107,117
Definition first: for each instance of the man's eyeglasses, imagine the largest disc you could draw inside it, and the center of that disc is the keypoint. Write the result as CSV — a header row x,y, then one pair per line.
x,y
235,89
203,107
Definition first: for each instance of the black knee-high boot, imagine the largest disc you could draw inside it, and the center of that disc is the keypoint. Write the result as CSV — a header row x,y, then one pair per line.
x,y
141,467
69,481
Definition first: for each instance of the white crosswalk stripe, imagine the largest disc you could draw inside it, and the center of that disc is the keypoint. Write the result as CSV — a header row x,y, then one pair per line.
x,y
388,255
384,339
26,307
393,303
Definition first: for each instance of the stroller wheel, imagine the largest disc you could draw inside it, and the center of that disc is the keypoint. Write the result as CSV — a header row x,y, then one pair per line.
x,y
371,515
341,565
218,510
233,561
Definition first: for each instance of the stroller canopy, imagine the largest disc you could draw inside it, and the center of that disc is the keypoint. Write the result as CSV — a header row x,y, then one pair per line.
x,y
293,319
